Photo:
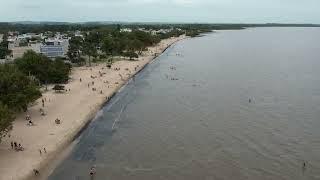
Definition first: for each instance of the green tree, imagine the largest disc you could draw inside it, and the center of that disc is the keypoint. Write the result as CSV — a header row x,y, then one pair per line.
x,y
4,51
59,71
6,118
137,45
91,42
16,89
43,68
74,51
90,50
107,45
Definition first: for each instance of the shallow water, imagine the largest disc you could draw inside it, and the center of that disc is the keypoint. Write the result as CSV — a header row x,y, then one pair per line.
x,y
202,125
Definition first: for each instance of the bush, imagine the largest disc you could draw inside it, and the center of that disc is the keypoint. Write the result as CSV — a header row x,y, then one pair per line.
x,y
130,54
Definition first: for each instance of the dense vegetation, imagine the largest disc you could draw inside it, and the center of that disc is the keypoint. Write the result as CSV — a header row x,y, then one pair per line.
x,y
16,91
42,68
43,27
102,43
6,118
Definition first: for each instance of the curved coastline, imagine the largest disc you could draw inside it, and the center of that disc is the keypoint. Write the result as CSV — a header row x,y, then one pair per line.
x,y
92,116
70,134
122,86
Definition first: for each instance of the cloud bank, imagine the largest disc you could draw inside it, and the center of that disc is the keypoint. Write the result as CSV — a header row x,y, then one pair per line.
x,y
213,11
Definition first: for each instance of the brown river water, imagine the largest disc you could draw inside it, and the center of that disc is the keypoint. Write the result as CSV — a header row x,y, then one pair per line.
x,y
202,126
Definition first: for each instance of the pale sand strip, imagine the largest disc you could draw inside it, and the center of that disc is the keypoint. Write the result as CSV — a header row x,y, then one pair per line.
x,y
75,109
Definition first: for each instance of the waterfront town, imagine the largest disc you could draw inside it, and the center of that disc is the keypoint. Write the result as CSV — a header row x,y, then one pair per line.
x,y
54,44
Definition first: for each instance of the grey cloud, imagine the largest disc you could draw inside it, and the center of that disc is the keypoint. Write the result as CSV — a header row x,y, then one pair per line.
x,y
286,11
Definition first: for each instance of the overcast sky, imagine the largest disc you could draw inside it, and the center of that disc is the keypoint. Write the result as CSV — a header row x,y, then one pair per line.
x,y
212,11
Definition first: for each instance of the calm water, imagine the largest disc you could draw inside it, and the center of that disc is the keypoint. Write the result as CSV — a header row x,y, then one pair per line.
x,y
202,125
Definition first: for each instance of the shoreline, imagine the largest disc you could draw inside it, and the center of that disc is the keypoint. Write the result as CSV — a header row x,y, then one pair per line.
x,y
77,108
122,86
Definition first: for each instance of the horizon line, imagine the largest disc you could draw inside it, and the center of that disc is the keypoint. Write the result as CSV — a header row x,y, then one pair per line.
x,y
156,22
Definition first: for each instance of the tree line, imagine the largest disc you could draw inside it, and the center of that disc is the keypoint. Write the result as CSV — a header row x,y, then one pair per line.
x,y
103,43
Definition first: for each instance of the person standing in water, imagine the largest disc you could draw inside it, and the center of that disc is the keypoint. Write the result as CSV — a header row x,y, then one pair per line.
x,y
304,167
92,172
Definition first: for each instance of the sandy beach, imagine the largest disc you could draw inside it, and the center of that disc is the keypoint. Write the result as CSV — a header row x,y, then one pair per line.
x,y
75,108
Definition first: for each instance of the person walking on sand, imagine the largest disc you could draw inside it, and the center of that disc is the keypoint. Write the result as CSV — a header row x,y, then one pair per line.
x,y
20,148
28,117
11,145
36,172
30,123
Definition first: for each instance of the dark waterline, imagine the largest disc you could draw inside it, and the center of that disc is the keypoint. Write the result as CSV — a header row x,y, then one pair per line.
x,y
202,125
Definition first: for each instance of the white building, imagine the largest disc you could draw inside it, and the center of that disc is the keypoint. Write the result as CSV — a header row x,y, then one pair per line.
x,y
13,41
78,34
126,30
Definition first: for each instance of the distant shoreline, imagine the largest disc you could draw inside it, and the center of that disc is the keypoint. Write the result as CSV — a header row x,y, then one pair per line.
x,y
153,23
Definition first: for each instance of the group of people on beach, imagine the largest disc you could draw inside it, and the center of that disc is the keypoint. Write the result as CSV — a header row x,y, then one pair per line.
x,y
57,121
16,146
44,150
